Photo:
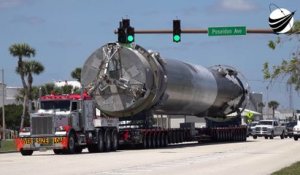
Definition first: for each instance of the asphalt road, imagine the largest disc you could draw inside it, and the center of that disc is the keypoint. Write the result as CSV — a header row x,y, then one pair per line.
x,y
252,157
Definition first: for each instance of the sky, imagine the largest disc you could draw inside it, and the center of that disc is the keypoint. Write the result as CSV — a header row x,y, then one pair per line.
x,y
65,32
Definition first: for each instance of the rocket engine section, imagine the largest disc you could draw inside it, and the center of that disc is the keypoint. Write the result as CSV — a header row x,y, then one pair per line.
x,y
125,80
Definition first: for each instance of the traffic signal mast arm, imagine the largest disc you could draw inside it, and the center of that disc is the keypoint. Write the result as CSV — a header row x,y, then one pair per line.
x,y
193,31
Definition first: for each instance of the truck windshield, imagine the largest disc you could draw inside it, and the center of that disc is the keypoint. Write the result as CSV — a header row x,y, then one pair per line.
x,y
265,122
62,105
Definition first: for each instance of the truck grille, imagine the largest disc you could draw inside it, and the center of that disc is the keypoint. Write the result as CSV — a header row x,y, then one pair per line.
x,y
42,125
261,128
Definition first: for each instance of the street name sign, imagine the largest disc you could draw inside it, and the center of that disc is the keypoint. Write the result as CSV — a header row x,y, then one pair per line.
x,y
227,31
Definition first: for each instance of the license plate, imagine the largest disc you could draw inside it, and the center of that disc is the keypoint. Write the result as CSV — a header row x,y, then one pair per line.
x,y
27,141
43,140
57,140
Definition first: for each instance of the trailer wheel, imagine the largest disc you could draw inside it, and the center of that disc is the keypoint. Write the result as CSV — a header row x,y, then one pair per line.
x,y
115,141
154,139
100,142
162,140
57,151
266,137
78,149
166,140
26,152
71,143
158,140
149,140
92,148
254,137
107,141
144,144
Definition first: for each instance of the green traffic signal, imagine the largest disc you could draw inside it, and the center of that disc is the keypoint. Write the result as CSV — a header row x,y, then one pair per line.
x,y
176,38
130,38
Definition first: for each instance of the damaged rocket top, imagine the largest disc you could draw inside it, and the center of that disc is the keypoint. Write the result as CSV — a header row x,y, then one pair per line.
x,y
125,80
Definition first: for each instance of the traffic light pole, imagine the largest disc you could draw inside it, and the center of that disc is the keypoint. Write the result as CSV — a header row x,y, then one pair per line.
x,y
197,31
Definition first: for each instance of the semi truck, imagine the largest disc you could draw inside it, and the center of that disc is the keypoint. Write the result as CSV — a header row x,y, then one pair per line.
x,y
123,85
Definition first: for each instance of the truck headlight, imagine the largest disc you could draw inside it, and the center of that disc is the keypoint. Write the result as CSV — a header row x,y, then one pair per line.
x,y
60,131
24,132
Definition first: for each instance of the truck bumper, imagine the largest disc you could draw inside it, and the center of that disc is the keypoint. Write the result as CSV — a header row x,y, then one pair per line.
x,y
261,133
296,133
41,143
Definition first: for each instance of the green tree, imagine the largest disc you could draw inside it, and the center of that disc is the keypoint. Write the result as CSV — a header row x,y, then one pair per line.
x,y
290,67
12,113
30,68
273,105
21,50
76,74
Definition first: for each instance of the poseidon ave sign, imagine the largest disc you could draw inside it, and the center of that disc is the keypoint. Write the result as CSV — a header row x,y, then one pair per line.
x,y
225,31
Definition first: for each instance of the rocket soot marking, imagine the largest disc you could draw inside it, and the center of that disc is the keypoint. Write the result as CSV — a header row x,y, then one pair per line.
x,y
281,20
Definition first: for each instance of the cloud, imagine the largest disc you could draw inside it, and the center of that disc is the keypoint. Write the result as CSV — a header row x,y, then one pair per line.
x,y
31,20
234,5
5,4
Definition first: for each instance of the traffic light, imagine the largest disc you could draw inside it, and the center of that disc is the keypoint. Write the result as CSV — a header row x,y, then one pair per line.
x,y
176,31
125,32
130,34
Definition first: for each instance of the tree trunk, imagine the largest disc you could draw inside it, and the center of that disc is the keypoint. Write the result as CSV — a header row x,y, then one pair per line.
x,y
24,111
273,113
25,102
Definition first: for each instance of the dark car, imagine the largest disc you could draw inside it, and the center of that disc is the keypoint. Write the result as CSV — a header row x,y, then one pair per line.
x,y
289,128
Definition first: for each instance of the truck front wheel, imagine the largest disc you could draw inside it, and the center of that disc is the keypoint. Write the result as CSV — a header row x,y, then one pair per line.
x,y
272,135
57,151
71,144
26,152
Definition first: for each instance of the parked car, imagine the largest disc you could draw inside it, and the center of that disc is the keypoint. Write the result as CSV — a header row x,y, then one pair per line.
x,y
296,131
268,129
289,128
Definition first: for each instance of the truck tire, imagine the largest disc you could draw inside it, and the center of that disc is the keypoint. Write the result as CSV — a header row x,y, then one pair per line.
x,y
166,142
272,135
282,135
92,148
266,137
144,144
26,152
57,151
100,142
158,140
254,137
71,143
295,138
154,141
107,140
115,140
78,149
149,140
162,140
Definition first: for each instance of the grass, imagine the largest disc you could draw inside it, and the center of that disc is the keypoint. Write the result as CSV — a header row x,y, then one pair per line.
x,y
7,146
294,169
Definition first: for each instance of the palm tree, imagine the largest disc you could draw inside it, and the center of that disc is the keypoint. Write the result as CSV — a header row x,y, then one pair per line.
x,y
274,105
32,67
76,74
21,50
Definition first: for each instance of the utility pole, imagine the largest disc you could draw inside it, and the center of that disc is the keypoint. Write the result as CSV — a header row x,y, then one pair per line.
x,y
3,109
